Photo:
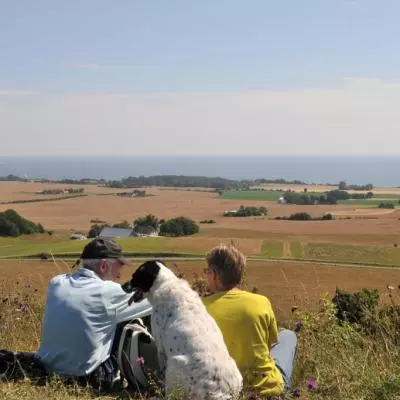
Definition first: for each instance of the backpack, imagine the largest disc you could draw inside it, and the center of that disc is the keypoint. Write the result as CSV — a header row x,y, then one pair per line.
x,y
137,355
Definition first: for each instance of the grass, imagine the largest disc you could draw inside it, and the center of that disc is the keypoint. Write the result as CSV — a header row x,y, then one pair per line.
x,y
267,195
386,196
33,245
346,361
296,249
25,246
272,248
366,203
352,253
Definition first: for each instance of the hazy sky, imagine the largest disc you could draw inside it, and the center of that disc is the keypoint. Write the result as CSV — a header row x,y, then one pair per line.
x,y
199,77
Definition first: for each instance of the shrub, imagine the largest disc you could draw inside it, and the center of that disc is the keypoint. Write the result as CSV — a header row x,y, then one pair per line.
x,y
12,224
247,212
300,217
355,307
207,221
386,205
124,224
327,217
180,226
148,220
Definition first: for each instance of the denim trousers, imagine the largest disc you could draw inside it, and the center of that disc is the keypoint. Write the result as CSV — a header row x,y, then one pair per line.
x,y
284,353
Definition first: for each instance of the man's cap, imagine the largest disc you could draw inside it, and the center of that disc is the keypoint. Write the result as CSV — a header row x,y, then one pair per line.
x,y
103,248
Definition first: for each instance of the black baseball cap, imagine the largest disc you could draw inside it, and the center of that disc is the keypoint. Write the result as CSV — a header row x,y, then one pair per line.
x,y
103,248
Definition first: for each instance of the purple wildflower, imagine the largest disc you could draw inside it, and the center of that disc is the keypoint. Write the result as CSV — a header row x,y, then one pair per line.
x,y
252,396
298,326
23,307
312,384
140,360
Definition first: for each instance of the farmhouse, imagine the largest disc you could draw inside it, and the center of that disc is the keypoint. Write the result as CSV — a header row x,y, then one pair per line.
x,y
145,231
77,236
112,233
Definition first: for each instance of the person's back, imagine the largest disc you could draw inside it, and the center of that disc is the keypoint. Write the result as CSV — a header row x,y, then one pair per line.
x,y
247,322
249,328
82,314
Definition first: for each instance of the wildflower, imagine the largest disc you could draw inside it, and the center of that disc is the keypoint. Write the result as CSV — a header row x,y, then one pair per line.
x,y
140,360
311,384
294,308
252,396
23,307
298,326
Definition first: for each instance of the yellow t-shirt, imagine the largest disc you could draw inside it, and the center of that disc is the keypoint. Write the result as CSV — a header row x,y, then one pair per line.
x,y
249,327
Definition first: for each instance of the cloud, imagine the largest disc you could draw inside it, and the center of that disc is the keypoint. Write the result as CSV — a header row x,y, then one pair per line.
x,y
359,117
16,93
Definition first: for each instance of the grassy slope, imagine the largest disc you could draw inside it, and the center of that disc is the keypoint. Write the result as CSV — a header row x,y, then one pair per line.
x,y
270,248
345,363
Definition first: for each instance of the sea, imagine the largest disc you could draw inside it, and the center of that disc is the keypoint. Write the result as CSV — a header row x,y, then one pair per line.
x,y
378,170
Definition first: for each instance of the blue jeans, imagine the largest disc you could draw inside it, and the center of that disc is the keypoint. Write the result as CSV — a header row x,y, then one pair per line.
x,y
284,353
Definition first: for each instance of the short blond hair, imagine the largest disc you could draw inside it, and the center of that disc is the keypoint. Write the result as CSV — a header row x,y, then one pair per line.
x,y
228,262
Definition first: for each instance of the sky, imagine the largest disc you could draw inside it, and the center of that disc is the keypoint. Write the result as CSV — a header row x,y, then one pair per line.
x,y
199,77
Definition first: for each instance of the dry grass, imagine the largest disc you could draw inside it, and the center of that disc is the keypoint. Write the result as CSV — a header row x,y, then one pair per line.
x,y
285,284
345,362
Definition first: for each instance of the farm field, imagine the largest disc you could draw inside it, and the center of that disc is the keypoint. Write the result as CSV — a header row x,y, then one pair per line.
x,y
285,285
75,214
275,248
273,195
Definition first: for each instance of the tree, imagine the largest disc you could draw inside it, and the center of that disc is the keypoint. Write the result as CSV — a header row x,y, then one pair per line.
x,y
300,217
8,228
148,220
95,230
180,226
342,185
12,224
124,224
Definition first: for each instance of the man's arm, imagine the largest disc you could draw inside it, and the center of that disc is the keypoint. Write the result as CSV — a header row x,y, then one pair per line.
x,y
272,327
117,299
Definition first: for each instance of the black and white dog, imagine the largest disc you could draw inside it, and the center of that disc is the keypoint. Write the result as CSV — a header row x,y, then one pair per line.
x,y
191,347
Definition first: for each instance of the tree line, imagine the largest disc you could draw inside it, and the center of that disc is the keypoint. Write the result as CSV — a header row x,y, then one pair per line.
x,y
174,227
331,197
164,181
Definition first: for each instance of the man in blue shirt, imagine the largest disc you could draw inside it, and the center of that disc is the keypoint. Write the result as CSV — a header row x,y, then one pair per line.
x,y
83,313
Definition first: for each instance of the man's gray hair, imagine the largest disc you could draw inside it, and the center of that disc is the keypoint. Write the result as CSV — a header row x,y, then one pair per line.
x,y
91,263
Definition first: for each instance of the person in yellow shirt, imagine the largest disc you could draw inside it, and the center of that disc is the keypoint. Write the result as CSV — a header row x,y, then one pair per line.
x,y
264,357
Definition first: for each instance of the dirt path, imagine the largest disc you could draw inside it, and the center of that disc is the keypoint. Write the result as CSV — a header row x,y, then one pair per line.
x,y
287,252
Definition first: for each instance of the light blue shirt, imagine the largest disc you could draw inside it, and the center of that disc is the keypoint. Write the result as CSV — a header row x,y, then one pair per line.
x,y
82,313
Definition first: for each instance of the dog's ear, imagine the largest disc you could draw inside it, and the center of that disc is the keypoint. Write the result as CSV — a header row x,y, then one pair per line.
x,y
136,297
144,277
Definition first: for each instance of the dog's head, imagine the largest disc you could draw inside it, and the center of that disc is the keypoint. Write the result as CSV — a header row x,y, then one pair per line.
x,y
142,280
